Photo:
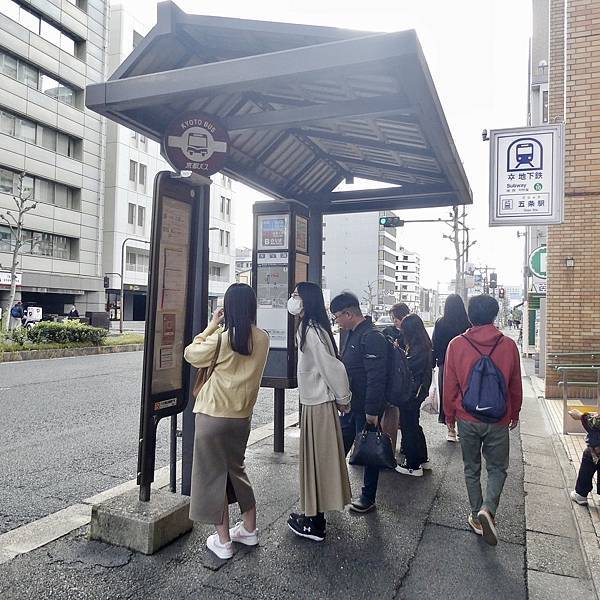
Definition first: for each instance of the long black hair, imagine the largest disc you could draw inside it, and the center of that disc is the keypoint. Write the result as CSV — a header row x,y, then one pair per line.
x,y
415,334
314,312
239,311
455,316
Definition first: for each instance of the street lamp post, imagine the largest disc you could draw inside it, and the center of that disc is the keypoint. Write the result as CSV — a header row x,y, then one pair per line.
x,y
127,239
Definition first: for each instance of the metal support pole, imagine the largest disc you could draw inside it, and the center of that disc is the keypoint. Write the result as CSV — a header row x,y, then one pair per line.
x,y
279,419
173,455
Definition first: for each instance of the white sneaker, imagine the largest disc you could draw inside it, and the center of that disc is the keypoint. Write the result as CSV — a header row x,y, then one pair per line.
x,y
579,499
223,551
452,436
488,527
426,466
238,533
403,469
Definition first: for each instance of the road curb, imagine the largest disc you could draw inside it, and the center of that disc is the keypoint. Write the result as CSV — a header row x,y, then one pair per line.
x,y
22,355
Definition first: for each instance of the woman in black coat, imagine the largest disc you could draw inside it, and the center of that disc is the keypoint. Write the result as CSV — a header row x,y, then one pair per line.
x,y
418,353
453,323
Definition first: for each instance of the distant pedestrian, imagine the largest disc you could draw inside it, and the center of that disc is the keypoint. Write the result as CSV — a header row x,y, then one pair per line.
x,y
365,357
391,416
453,323
73,313
483,392
418,353
16,315
590,459
324,390
223,413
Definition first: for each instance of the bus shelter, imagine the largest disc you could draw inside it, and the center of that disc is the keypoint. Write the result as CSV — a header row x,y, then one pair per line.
x,y
305,109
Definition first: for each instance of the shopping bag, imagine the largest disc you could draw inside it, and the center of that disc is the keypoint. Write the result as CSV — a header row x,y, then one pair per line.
x,y
373,448
431,404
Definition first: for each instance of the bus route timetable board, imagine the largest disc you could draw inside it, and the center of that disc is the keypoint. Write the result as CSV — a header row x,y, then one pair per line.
x,y
272,295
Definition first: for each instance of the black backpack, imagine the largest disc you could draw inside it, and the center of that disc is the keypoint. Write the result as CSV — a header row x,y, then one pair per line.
x,y
399,385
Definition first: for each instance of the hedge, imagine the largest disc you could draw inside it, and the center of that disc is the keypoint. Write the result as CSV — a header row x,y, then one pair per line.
x,y
48,332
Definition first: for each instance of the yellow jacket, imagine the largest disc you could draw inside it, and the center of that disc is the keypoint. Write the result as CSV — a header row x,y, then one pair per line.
x,y
232,389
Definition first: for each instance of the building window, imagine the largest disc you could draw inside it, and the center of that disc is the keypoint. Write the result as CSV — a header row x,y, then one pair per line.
x,y
141,216
405,267
131,213
36,188
228,207
143,143
142,177
5,239
221,237
31,76
25,130
38,25
132,171
404,277
47,244
131,259
227,239
222,205
405,258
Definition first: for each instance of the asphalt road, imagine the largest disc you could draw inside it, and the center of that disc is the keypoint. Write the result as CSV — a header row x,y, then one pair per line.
x,y
70,429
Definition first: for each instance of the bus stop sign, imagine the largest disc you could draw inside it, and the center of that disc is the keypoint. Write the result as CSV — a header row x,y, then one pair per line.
x,y
196,142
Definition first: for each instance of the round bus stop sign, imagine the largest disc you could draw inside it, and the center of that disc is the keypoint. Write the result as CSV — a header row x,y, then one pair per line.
x,y
196,142
537,262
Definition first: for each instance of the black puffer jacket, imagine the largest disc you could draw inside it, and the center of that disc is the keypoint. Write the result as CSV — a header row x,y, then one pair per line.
x,y
365,357
419,363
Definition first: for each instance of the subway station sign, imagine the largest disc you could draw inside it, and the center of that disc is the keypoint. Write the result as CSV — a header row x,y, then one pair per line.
x,y
526,176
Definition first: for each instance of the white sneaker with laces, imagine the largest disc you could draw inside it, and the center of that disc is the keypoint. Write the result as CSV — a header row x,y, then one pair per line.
x,y
223,551
238,533
426,466
403,469
579,499
452,436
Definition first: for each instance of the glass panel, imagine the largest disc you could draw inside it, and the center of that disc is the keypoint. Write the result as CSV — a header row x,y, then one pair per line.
x,y
9,66
50,33
7,179
5,245
7,123
29,20
48,138
25,130
66,95
44,191
130,259
61,247
48,85
131,214
27,75
141,216
142,173
67,44
62,144
28,186
61,196
10,9
132,171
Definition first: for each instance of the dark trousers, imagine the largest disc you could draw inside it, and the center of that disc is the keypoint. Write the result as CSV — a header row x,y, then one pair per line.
x,y
441,415
413,438
352,424
586,473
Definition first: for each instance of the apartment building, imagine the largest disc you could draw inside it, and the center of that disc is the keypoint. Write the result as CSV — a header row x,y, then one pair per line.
x,y
408,278
132,162
359,255
49,51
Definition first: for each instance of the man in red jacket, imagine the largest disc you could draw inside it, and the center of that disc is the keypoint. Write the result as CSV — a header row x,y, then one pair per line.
x,y
478,437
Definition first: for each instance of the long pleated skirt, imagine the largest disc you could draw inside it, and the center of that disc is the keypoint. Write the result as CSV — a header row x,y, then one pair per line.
x,y
324,483
218,468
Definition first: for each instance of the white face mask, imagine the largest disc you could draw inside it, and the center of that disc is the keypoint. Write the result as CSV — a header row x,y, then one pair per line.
x,y
294,305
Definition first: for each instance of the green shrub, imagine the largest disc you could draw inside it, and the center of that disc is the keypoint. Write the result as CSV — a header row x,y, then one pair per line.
x,y
67,332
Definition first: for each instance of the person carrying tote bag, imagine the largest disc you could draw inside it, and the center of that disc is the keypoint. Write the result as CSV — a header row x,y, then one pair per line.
x,y
223,410
324,390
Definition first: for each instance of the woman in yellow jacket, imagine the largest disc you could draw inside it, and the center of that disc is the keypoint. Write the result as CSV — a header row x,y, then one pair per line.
x,y
223,413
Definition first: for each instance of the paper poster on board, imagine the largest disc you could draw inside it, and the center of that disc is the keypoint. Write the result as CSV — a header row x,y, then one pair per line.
x,y
273,232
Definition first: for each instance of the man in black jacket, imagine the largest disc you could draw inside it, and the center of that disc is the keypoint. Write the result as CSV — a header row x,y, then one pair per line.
x,y
365,357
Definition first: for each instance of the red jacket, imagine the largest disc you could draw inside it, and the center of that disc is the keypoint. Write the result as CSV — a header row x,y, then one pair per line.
x,y
460,360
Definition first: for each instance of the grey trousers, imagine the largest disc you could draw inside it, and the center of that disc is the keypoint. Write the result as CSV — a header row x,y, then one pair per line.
x,y
492,441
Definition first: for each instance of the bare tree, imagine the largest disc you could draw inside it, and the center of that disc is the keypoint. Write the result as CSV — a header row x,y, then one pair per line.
x,y
369,295
14,219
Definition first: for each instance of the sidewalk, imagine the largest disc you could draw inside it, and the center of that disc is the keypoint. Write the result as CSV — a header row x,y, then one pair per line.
x,y
416,545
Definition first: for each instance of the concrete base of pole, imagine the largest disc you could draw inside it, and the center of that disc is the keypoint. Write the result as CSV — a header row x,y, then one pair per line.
x,y
142,526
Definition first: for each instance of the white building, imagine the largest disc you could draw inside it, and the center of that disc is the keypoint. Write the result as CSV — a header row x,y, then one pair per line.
x,y
359,255
408,278
49,51
131,165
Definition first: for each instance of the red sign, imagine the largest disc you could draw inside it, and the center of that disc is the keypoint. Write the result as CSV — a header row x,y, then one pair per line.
x,y
196,142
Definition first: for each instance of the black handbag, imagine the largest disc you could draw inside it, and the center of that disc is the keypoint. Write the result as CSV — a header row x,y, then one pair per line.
x,y
373,448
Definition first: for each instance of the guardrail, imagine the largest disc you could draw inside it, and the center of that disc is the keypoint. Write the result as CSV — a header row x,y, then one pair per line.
x,y
584,405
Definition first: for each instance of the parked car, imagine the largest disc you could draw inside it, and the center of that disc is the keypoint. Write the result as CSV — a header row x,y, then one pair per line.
x,y
383,322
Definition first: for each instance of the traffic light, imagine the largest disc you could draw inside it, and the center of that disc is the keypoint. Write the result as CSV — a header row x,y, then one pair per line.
x,y
493,280
391,222
501,293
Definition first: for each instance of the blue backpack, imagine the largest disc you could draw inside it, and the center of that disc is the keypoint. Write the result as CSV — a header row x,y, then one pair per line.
x,y
485,397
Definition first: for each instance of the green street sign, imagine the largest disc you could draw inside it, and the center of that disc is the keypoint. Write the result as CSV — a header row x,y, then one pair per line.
x,y
537,262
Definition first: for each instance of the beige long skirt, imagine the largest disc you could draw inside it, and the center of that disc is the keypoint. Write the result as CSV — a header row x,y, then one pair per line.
x,y
324,483
218,468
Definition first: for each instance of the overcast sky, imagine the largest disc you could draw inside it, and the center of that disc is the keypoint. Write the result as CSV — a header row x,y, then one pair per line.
x,y
477,51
